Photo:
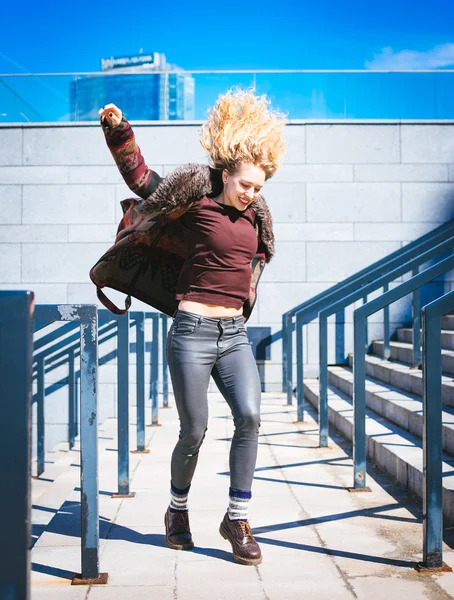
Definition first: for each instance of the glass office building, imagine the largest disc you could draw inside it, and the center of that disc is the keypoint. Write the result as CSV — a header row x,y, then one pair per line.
x,y
132,84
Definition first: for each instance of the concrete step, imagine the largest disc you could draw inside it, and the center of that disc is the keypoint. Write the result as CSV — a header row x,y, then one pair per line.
x,y
401,408
395,450
403,377
447,337
404,352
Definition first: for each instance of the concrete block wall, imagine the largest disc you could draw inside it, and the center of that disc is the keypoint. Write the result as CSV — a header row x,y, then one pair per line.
x,y
347,194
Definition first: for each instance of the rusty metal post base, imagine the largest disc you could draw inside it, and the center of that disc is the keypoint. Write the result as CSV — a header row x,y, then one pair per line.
x,y
130,495
429,570
140,451
100,580
352,489
154,425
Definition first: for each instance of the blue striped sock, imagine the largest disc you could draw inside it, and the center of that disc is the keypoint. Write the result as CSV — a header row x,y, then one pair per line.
x,y
238,504
178,499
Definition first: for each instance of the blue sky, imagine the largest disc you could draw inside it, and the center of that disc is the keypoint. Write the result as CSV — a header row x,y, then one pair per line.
x,y
62,37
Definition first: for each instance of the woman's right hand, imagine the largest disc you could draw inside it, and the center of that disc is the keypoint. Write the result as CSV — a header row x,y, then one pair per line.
x,y
111,113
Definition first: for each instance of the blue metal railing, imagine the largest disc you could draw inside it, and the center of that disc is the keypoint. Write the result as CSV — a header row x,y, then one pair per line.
x,y
46,359
154,373
16,346
65,349
431,247
340,305
432,558
19,318
432,433
309,310
165,372
360,316
122,322
87,317
139,319
17,313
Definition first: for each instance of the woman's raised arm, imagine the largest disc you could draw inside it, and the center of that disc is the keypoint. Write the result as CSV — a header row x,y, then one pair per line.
x,y
122,144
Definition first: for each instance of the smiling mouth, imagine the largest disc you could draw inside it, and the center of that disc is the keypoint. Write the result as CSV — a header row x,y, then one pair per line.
x,y
243,201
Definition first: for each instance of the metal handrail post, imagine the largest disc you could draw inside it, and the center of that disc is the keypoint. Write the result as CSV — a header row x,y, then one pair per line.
x,y
16,348
299,371
154,367
340,336
140,370
139,318
366,332
289,356
87,315
71,402
386,329
89,444
432,434
76,404
416,318
323,383
40,422
165,373
284,353
359,401
123,407
432,441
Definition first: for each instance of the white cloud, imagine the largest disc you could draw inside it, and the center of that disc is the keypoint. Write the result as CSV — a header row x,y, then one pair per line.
x,y
438,57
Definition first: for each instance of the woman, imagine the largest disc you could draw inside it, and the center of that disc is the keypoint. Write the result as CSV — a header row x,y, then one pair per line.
x,y
211,231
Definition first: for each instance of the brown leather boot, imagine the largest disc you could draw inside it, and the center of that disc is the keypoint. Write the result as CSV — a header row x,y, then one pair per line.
x,y
178,532
245,549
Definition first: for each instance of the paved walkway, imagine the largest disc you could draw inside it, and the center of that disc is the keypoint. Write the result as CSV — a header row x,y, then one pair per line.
x,y
317,539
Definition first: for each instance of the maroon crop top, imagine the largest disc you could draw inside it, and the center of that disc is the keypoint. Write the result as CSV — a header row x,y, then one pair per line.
x,y
221,242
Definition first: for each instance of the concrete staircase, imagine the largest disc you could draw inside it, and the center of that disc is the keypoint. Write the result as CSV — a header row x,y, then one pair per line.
x,y
394,421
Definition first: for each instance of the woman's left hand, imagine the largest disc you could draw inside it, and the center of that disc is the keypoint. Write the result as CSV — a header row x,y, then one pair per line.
x,y
111,113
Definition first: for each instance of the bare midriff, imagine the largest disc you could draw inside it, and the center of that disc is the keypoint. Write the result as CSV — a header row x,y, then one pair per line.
x,y
209,310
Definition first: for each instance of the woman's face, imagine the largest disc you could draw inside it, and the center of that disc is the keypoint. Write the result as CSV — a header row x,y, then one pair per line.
x,y
241,188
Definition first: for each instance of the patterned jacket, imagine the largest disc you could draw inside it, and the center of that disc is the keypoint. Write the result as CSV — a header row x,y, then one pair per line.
x,y
149,251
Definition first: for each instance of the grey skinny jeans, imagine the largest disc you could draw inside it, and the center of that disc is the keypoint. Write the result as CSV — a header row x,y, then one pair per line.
x,y
198,347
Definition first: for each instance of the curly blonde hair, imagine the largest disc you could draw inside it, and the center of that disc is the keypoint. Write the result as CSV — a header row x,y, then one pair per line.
x,y
240,129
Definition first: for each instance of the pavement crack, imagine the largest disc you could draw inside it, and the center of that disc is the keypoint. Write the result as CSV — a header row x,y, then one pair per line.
x,y
175,578
265,595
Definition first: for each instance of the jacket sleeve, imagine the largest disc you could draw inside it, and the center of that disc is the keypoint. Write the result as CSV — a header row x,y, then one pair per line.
x,y
122,144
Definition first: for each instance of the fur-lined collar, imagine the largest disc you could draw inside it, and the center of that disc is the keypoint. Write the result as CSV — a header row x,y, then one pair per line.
x,y
193,181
